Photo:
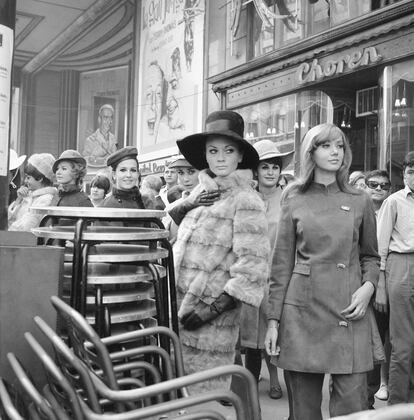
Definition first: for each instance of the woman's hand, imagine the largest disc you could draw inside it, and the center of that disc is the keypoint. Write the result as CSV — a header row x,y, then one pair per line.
x,y
22,192
203,198
381,296
272,348
359,303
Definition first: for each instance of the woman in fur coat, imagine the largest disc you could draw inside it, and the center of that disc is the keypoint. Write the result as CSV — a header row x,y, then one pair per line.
x,y
222,250
37,191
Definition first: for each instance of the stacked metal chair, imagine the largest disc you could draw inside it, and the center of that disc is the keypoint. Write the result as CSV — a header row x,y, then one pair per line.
x,y
118,269
84,383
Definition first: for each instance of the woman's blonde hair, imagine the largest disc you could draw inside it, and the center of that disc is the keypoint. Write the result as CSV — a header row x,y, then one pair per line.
x,y
313,138
79,171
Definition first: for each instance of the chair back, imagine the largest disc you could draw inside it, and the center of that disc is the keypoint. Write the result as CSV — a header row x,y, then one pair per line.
x,y
11,403
60,387
86,343
42,407
75,371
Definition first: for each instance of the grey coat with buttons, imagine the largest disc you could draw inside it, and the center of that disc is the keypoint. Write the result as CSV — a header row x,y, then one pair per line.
x,y
326,248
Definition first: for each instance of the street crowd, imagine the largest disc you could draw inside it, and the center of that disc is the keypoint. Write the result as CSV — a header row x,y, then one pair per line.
x,y
314,273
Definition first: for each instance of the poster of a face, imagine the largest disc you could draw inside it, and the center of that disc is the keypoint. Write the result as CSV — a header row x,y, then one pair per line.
x,y
171,72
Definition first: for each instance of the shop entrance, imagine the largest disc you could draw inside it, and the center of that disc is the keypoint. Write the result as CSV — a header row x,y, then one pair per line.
x,y
355,100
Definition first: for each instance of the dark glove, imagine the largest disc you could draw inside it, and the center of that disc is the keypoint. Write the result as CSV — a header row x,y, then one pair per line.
x,y
203,313
203,198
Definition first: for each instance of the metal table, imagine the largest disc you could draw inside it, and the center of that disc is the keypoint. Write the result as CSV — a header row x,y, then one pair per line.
x,y
91,240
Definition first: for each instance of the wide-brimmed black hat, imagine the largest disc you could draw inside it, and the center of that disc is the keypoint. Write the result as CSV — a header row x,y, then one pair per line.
x,y
227,124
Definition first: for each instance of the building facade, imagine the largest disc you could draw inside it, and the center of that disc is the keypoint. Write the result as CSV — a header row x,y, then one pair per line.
x,y
163,65
288,65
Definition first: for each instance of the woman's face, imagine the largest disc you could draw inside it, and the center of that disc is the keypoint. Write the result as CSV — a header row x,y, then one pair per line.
x,y
329,155
65,174
360,184
97,193
31,183
126,174
268,174
187,177
223,156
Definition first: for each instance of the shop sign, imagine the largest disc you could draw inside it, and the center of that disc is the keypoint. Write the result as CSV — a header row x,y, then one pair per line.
x,y
317,71
154,166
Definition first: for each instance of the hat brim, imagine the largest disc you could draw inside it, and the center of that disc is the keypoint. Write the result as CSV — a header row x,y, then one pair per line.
x,y
16,163
286,158
80,160
193,149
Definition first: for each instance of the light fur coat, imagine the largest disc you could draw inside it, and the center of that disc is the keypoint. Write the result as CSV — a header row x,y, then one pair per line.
x,y
19,215
223,247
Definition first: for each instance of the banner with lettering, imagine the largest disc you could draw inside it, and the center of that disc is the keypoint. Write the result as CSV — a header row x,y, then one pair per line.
x,y
171,72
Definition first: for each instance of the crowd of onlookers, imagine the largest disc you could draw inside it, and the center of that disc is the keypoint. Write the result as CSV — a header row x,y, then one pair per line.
x,y
315,274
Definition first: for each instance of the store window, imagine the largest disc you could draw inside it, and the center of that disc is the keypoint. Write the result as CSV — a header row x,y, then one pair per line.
x,y
285,120
279,23
397,117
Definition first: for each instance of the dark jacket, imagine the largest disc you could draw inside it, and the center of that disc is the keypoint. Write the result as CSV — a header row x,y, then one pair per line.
x,y
72,198
131,199
326,248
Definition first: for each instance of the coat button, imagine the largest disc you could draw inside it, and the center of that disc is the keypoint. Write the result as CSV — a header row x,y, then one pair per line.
x,y
341,266
343,324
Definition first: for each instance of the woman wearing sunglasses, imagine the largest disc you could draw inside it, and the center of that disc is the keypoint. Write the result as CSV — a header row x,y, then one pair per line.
x,y
324,273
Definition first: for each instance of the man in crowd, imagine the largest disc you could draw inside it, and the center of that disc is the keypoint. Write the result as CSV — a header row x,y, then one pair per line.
x,y
171,179
396,282
102,142
378,186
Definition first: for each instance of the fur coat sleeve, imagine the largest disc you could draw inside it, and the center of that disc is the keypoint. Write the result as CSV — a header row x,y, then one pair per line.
x,y
248,273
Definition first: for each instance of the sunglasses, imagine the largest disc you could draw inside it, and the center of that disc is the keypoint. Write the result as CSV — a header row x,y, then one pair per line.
x,y
383,185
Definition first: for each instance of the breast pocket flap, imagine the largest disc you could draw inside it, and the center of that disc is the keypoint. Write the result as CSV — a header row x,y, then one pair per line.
x,y
302,269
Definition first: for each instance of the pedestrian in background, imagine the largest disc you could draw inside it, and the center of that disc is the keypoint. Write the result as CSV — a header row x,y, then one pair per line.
x,y
253,324
222,251
396,281
151,186
187,177
357,180
125,175
70,169
100,186
171,180
324,273
15,161
379,188
37,191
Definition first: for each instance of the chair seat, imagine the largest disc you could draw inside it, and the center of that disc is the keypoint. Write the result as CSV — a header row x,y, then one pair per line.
x,y
102,233
114,252
140,292
128,312
107,273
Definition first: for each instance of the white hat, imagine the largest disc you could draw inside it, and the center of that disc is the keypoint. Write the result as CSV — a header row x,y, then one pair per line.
x,y
14,160
267,149
43,162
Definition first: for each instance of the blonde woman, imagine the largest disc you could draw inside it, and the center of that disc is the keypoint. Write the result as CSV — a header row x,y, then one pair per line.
x,y
324,273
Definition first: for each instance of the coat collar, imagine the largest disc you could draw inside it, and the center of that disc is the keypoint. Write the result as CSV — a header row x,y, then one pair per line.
x,y
45,190
240,178
330,188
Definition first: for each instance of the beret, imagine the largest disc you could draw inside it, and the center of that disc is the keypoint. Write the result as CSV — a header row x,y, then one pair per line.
x,y
129,152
